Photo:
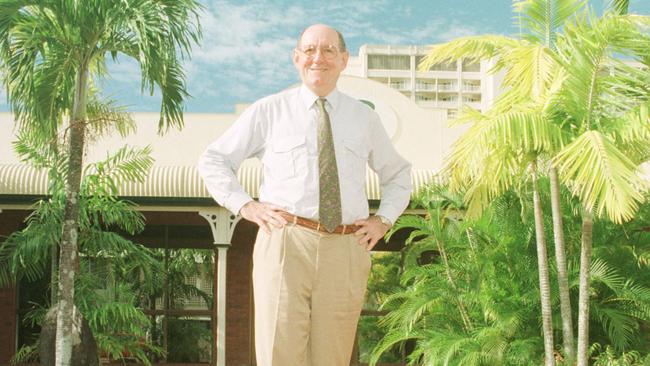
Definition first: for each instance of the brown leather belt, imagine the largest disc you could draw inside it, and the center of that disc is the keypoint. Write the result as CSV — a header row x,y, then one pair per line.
x,y
315,225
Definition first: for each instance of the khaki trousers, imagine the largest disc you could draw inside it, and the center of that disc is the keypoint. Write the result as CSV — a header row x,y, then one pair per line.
x,y
309,288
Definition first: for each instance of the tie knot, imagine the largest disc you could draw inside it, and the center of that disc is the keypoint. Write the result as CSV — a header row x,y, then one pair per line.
x,y
321,102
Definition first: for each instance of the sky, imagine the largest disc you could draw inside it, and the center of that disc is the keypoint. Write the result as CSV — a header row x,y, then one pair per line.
x,y
246,49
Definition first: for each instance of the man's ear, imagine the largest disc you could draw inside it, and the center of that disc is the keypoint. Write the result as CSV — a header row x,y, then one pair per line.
x,y
346,56
294,57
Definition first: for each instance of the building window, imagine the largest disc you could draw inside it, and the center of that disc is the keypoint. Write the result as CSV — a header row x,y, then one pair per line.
x,y
203,283
450,66
389,62
424,98
447,85
425,86
452,113
471,65
449,98
471,98
400,84
472,86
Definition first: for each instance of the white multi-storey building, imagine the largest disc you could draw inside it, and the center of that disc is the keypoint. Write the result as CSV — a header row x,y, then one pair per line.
x,y
443,86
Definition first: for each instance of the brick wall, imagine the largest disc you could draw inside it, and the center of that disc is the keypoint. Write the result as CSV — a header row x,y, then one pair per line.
x,y
10,221
239,304
7,324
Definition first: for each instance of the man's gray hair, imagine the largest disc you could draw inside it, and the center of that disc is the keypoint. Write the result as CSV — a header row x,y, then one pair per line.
x,y
342,46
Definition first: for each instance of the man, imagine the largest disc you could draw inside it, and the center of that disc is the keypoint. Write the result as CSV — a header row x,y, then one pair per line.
x,y
311,258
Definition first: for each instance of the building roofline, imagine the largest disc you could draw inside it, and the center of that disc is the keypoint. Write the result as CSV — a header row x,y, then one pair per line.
x,y
180,185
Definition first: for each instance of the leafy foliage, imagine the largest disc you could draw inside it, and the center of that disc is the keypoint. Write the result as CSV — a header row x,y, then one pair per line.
x,y
490,259
105,294
52,53
44,43
610,358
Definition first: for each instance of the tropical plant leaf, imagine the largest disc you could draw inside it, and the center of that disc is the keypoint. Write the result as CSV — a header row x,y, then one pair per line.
x,y
540,19
601,175
476,47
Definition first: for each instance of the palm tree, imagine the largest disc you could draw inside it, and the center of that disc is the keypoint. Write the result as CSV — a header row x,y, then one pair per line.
x,y
53,50
432,232
515,133
538,76
490,278
26,253
111,288
604,102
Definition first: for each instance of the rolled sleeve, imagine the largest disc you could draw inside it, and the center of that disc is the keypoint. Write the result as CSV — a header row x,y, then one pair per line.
x,y
393,170
218,164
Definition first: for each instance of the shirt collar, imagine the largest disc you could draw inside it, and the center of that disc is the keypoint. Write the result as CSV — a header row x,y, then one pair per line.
x,y
309,98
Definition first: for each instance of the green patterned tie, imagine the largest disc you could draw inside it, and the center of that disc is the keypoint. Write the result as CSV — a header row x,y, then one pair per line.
x,y
329,206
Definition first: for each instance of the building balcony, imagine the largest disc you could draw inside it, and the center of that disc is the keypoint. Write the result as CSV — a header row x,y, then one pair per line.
x,y
425,87
471,75
475,105
467,99
448,87
426,103
436,74
472,88
448,104
380,73
400,85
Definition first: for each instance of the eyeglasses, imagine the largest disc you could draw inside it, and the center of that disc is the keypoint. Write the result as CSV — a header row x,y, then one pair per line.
x,y
328,52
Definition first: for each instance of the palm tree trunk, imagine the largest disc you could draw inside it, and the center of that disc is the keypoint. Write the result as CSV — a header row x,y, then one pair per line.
x,y
544,282
583,301
562,277
154,328
166,301
66,330
54,275
54,253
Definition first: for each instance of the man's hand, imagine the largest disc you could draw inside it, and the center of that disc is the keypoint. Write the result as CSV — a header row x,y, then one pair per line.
x,y
263,214
372,229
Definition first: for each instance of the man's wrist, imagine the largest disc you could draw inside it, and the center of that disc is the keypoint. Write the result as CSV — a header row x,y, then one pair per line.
x,y
384,220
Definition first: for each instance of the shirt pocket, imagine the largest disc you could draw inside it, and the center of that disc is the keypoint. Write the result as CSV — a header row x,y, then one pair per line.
x,y
355,159
288,156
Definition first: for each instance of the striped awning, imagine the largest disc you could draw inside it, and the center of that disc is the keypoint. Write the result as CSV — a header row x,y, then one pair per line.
x,y
169,182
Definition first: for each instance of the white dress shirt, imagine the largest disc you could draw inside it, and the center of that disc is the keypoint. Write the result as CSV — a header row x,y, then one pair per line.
x,y
281,130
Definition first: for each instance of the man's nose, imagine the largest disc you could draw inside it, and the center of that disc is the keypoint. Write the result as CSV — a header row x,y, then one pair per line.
x,y
318,57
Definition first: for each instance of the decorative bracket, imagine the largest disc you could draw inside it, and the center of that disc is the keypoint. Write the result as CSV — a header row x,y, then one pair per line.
x,y
222,223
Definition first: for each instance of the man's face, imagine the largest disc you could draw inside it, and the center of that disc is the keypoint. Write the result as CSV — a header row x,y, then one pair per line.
x,y
319,60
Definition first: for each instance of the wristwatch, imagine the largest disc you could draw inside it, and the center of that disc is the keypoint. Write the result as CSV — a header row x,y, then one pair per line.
x,y
385,221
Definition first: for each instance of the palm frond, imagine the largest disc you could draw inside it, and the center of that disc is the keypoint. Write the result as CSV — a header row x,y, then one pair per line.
x,y
540,19
619,326
597,85
601,176
126,165
619,6
476,47
104,117
602,272
27,353
26,253
530,70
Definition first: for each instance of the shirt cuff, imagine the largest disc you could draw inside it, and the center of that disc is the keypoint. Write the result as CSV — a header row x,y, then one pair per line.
x,y
387,213
236,201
